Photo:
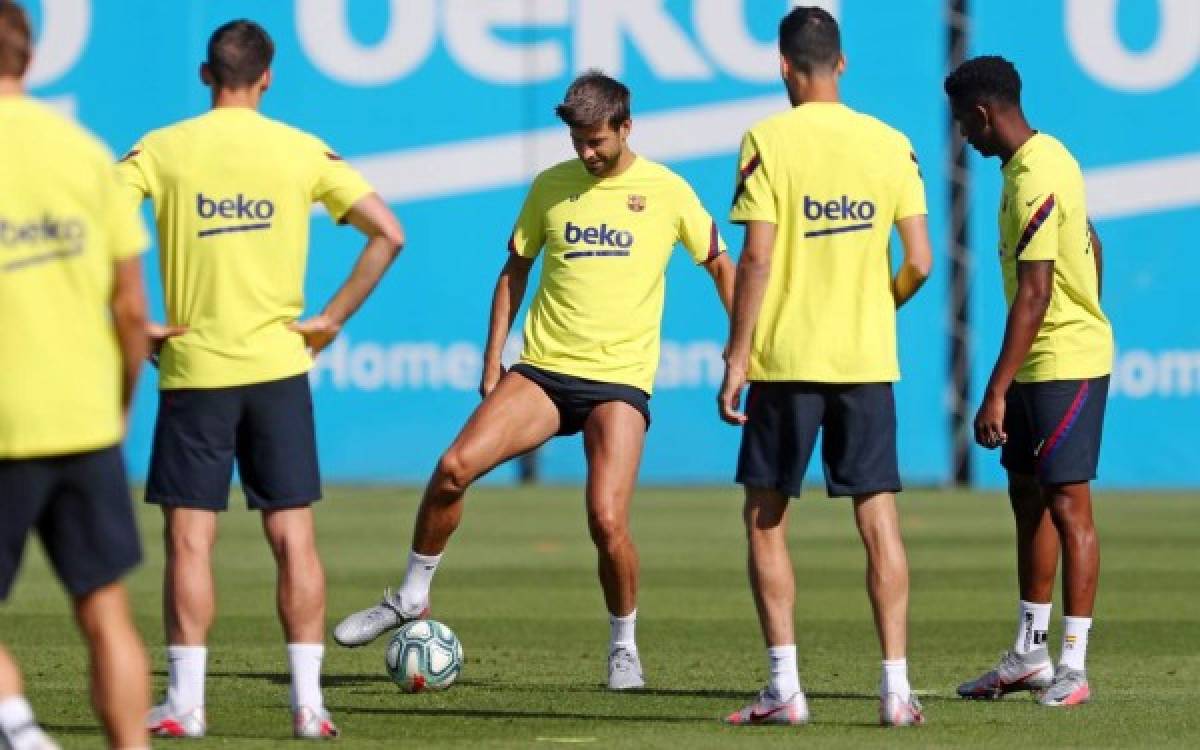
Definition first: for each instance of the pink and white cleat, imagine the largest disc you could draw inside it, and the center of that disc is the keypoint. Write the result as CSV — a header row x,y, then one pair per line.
x,y
165,721
1032,671
767,709
313,724
894,711
1070,688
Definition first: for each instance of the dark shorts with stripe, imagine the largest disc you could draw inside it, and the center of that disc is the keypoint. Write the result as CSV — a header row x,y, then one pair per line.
x,y
1054,429
576,397
858,426
80,508
266,427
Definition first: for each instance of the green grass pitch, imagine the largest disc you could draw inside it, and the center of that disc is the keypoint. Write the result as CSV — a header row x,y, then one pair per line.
x,y
518,587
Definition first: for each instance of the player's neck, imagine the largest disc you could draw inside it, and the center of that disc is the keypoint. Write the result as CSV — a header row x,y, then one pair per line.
x,y
1014,135
10,86
624,162
247,98
814,90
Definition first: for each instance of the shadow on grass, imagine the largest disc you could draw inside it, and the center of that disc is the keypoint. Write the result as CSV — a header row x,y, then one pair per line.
x,y
497,713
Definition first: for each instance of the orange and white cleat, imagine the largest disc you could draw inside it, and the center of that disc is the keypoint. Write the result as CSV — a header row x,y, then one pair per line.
x,y
165,721
313,724
1032,671
767,709
1070,688
895,711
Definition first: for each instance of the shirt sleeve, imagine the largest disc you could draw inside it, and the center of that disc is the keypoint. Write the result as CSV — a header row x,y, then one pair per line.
x,y
125,231
1038,213
338,185
529,233
753,196
912,187
135,175
695,227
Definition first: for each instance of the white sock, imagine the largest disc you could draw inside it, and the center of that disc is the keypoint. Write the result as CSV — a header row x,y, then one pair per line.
x,y
418,578
785,676
621,631
1033,623
1075,641
185,676
15,713
895,678
305,662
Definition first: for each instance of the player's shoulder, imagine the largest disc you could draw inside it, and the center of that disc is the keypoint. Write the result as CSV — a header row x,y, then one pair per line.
x,y
1049,165
662,175
881,132
565,175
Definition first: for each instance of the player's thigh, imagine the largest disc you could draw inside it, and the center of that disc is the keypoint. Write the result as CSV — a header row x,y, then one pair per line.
x,y
191,459
26,485
516,417
613,438
782,423
88,528
277,445
859,447
1018,455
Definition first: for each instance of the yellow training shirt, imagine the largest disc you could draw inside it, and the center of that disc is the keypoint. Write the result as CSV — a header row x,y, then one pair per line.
x,y
232,193
597,312
1043,216
833,181
63,226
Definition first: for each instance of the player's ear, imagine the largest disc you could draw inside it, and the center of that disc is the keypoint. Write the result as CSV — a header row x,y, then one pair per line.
x,y
840,67
264,82
625,128
206,76
785,67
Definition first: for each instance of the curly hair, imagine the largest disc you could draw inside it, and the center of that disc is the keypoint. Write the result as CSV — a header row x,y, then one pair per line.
x,y
986,78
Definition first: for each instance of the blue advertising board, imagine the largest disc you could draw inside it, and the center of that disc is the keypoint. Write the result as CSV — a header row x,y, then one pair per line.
x,y
447,108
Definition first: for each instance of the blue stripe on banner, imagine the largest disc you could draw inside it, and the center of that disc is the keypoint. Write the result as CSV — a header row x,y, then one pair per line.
x,y
242,228
839,230
597,254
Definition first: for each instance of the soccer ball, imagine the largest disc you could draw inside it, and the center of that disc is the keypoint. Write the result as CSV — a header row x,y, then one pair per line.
x,y
424,655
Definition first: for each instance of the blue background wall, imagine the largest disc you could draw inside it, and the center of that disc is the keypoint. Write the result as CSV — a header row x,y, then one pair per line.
x,y
447,106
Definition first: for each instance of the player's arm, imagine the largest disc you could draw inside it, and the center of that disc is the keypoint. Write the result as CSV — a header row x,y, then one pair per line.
x,y
1098,252
918,258
385,239
128,306
506,301
1035,285
723,273
750,286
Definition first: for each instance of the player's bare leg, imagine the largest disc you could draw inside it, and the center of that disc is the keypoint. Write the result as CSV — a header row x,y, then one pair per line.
x,y
10,676
300,586
887,569
613,437
1037,539
770,565
773,584
887,586
516,417
189,595
120,670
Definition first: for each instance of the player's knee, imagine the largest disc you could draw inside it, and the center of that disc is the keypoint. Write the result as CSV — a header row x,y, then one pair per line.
x,y
184,543
453,474
608,528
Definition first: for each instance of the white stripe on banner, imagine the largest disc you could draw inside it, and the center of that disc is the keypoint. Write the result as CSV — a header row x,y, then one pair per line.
x,y
711,130
1143,187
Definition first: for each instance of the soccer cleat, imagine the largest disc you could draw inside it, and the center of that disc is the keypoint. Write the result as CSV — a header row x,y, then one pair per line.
x,y
624,669
767,709
897,712
1070,688
366,625
27,737
313,724
1031,671
164,721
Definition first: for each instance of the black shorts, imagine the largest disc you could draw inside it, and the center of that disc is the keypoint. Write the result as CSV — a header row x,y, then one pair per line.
x,y
576,397
858,424
267,427
79,505
1054,429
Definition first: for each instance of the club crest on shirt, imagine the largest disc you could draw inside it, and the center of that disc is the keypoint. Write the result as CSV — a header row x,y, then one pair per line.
x,y
636,203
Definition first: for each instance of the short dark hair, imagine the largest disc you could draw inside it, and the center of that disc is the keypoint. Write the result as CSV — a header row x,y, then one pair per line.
x,y
594,99
986,78
809,38
239,52
16,40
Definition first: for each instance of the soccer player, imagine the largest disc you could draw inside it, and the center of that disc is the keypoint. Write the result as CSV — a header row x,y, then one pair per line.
x,y
607,222
72,314
232,193
1044,402
814,331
